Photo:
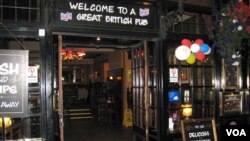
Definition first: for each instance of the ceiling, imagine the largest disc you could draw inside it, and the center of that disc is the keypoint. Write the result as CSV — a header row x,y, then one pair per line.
x,y
90,42
95,48
91,45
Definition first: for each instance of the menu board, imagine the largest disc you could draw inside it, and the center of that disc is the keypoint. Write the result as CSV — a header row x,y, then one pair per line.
x,y
198,130
13,83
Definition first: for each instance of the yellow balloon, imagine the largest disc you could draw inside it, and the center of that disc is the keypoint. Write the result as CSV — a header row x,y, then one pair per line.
x,y
7,121
191,59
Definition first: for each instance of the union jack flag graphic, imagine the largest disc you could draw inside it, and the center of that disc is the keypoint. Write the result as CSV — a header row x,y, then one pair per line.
x,y
144,12
66,16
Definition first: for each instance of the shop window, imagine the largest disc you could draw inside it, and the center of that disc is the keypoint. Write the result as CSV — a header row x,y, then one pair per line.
x,y
20,10
196,87
28,126
190,24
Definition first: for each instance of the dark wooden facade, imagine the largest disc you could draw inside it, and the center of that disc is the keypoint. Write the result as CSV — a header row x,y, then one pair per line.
x,y
153,59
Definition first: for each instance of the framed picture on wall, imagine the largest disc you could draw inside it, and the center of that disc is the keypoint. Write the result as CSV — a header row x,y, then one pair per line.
x,y
184,75
230,75
232,103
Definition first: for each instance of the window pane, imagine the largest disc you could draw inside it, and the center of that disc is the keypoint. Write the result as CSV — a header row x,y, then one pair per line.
x,y
197,76
9,2
10,15
23,10
208,76
23,3
22,14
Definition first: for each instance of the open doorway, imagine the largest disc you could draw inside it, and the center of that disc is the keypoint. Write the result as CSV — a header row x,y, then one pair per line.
x,y
95,87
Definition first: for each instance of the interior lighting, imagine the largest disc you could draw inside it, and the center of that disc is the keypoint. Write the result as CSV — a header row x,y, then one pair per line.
x,y
7,122
110,77
98,38
146,3
119,78
70,54
187,110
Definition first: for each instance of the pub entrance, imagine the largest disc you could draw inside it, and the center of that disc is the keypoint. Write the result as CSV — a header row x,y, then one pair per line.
x,y
93,85
126,28
95,91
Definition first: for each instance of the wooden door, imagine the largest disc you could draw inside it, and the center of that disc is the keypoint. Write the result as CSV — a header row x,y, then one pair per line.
x,y
60,89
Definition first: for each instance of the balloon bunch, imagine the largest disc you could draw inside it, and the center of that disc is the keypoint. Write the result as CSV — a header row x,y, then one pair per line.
x,y
191,51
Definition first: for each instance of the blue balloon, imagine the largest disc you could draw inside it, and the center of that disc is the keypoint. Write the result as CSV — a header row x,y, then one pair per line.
x,y
206,53
204,48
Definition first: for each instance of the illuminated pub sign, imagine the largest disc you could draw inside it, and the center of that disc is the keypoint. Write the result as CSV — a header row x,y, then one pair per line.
x,y
13,83
106,13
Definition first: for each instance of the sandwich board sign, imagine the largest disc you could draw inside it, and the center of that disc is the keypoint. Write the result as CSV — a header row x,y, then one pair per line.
x,y
199,130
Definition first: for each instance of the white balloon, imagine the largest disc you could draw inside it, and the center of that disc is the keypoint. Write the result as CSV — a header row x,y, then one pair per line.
x,y
209,50
194,48
182,52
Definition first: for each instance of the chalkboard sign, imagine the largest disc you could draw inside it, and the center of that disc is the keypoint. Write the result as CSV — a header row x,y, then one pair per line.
x,y
13,83
106,14
199,130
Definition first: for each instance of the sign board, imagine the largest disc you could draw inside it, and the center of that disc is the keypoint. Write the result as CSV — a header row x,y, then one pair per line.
x,y
110,14
232,103
198,130
32,74
84,61
13,83
173,75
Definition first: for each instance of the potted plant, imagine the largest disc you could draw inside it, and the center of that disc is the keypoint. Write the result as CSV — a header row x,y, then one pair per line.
x,y
232,26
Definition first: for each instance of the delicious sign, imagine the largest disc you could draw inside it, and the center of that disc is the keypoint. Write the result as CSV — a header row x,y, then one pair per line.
x,y
106,13
13,83
199,130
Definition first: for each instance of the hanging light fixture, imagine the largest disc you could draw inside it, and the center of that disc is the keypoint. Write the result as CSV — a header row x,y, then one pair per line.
x,y
70,54
187,110
63,52
81,52
98,39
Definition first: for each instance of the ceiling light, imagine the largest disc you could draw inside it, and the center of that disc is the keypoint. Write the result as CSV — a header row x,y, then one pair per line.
x,y
146,3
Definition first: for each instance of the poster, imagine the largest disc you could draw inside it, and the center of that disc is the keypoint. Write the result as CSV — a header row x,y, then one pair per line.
x,y
173,75
232,103
32,74
13,83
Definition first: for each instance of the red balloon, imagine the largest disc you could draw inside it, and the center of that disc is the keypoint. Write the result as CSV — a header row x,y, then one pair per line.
x,y
186,42
200,56
199,41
